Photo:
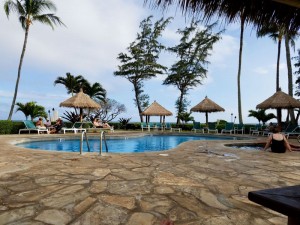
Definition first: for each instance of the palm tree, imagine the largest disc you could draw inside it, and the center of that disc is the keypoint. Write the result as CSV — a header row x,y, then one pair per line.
x,y
95,91
261,115
29,11
31,109
71,83
289,38
276,33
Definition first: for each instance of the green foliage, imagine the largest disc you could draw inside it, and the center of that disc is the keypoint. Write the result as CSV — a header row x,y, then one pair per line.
x,y
185,117
72,116
123,122
297,73
192,52
10,127
261,115
140,63
31,109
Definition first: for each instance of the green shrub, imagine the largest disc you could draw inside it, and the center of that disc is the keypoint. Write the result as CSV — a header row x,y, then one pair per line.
x,y
10,127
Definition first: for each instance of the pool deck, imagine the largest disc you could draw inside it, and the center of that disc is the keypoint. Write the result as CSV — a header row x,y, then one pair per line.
x,y
197,183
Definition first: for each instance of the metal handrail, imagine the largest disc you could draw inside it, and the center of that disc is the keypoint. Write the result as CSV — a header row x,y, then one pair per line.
x,y
81,141
103,137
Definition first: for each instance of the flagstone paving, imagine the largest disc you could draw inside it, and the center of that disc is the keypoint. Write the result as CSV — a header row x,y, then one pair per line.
x,y
197,183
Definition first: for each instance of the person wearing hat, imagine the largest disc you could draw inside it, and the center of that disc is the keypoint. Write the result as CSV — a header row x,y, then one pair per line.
x,y
57,126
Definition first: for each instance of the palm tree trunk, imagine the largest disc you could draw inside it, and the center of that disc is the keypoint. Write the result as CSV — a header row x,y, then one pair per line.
x,y
278,63
290,74
19,74
239,71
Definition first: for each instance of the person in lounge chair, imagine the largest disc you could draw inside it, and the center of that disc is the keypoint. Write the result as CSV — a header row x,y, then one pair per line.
x,y
105,124
57,126
40,124
97,123
47,123
278,142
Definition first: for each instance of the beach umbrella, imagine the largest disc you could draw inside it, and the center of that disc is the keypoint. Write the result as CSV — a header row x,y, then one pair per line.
x,y
156,109
81,101
207,106
279,100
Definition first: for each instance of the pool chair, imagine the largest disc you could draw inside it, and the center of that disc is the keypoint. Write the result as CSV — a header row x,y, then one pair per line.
x,y
31,127
167,126
239,128
144,126
90,127
212,127
77,126
229,128
197,127
255,130
295,132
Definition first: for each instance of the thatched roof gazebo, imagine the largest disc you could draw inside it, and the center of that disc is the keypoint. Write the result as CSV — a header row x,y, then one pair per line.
x,y
156,109
258,12
81,101
279,100
207,106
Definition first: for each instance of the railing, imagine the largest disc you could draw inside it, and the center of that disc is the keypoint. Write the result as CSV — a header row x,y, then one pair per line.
x,y
102,138
81,141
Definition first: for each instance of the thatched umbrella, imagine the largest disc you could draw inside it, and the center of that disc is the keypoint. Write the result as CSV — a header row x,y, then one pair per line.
x,y
258,12
279,100
156,109
81,101
207,106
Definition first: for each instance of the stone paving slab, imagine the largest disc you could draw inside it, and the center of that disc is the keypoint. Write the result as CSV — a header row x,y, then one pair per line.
x,y
197,183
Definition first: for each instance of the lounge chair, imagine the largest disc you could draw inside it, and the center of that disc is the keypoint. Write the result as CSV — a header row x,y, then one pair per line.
x,y
255,130
77,126
239,128
229,128
92,127
288,132
212,128
197,127
167,126
144,126
31,127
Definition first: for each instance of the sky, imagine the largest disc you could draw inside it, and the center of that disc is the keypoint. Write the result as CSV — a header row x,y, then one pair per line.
x,y
97,31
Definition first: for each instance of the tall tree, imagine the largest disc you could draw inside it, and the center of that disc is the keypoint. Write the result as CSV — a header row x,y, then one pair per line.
x,y
240,114
289,38
29,11
140,63
276,33
31,109
72,83
190,69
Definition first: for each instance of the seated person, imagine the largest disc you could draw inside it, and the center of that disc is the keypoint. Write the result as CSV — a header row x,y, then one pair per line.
x,y
270,128
105,124
278,142
57,126
39,124
47,123
97,123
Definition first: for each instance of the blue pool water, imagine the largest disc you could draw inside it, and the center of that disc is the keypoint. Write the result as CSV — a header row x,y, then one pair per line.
x,y
121,145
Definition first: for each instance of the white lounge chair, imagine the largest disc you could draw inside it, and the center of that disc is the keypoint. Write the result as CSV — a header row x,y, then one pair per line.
x,y
77,126
31,127
229,128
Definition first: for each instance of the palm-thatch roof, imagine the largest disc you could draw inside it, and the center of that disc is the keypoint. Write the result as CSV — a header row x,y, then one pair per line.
x,y
258,12
156,109
207,105
279,100
80,100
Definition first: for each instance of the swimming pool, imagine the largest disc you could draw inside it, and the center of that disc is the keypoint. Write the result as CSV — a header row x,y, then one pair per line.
x,y
121,145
